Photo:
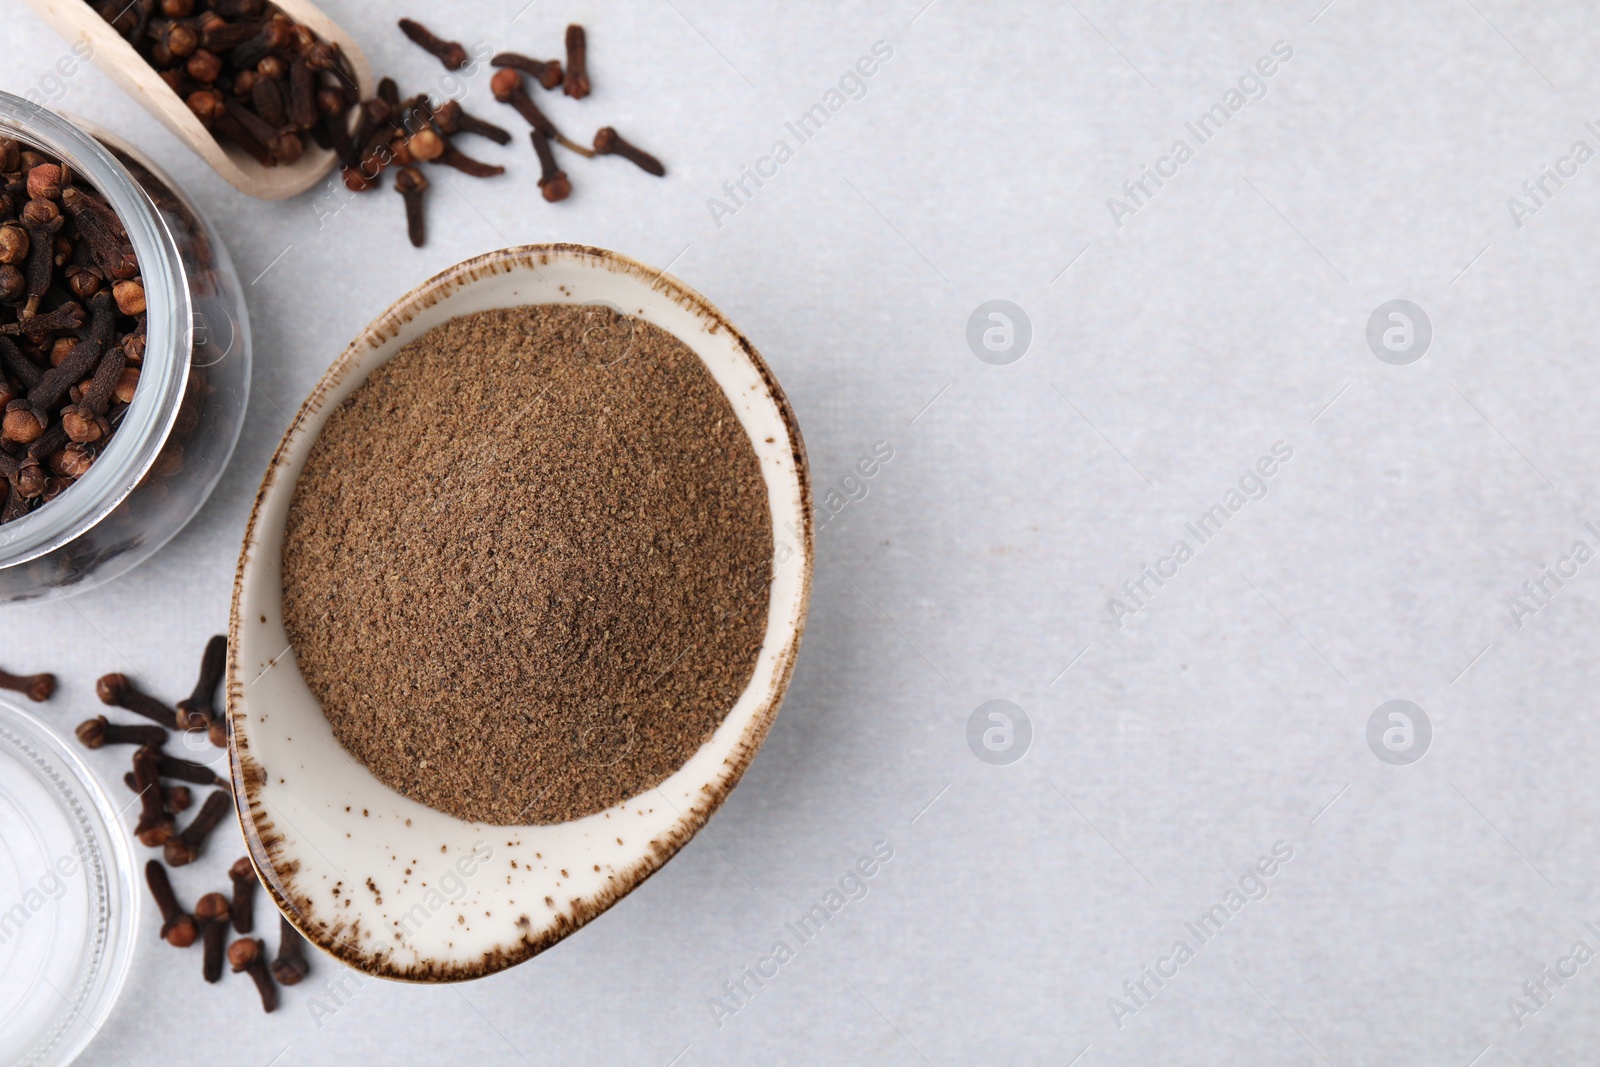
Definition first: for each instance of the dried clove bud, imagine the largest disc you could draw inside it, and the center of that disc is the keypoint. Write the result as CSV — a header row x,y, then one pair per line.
x,y
184,847
577,80
117,691
608,142
212,912
198,709
36,687
410,184
450,53
155,825
177,926
546,73
248,955
553,182
99,732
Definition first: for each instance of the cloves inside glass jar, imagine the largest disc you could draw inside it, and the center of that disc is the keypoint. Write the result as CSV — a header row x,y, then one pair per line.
x,y
140,272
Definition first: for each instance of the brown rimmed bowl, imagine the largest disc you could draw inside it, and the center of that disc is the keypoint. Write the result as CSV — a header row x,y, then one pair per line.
x,y
398,889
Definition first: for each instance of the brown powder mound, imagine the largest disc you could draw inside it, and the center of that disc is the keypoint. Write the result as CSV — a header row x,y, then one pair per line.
x,y
526,568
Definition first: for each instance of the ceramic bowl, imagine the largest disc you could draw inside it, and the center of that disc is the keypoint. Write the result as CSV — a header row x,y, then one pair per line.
x,y
393,887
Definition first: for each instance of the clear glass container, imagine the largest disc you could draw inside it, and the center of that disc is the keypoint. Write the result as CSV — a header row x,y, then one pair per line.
x,y
69,899
178,433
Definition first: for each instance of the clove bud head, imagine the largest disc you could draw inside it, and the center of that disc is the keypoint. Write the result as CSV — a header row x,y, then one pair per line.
x,y
181,932
556,188
425,145
113,689
92,732
211,906
243,952
505,84
22,423
44,182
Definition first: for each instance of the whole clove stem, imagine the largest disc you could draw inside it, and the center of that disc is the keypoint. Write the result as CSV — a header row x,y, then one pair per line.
x,y
117,691
546,73
302,104
99,732
506,85
154,828
177,926
608,142
36,687
247,954
450,53
576,84
196,711
242,908
212,911
189,771
553,183
410,184
214,944
507,88
184,847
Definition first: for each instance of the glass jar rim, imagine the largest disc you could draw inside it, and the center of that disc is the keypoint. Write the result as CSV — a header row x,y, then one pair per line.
x,y
164,373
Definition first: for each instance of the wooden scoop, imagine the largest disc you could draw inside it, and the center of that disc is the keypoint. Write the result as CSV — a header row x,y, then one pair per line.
x,y
78,21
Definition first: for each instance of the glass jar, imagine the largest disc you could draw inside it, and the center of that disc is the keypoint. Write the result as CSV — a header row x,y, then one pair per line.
x,y
176,436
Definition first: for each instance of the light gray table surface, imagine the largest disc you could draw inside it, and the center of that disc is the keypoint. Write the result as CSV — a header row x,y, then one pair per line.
x,y
1174,341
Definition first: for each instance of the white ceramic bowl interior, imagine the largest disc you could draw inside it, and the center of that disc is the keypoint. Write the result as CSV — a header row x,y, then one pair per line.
x,y
396,888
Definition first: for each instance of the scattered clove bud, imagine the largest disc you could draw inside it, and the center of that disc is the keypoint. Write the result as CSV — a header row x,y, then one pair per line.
x,y
547,74
198,709
177,926
212,912
36,687
450,53
577,80
154,828
553,182
184,847
410,184
608,142
117,691
247,954
99,732
189,771
506,85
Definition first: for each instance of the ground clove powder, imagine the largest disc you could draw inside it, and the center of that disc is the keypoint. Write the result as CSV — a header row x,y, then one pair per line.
x,y
526,566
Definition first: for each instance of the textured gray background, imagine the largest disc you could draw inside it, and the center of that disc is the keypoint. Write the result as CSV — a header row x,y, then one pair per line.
x,y
1167,355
